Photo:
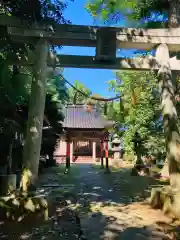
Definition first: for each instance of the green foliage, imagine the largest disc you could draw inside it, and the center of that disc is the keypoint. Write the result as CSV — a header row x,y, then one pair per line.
x,y
76,97
140,115
144,114
15,82
14,91
103,8
100,106
133,9
15,88
35,10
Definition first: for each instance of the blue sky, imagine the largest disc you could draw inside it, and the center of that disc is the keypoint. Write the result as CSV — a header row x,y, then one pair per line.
x,y
94,79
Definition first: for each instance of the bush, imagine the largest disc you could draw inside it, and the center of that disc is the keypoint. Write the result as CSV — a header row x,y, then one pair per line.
x,y
128,157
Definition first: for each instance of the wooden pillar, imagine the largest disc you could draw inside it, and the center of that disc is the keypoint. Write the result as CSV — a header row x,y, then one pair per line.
x,y
94,150
67,153
32,146
107,155
71,151
102,152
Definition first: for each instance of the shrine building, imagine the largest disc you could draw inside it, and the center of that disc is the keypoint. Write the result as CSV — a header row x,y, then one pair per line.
x,y
85,137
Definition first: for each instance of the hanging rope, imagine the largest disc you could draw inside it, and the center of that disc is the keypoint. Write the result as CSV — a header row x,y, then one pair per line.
x,y
86,95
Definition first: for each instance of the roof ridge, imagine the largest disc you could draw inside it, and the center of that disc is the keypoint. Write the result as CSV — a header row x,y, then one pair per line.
x,y
78,105
69,104
76,116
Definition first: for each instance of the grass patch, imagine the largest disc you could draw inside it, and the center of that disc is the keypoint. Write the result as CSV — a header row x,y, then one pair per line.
x,y
69,178
115,169
133,189
112,168
155,169
96,166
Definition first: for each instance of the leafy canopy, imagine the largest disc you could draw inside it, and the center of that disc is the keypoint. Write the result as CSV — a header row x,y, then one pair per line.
x,y
139,108
132,9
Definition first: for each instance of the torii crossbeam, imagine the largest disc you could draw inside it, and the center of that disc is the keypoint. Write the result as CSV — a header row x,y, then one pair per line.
x,y
79,35
106,40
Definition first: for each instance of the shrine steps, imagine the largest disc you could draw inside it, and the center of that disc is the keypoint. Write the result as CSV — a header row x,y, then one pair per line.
x,y
83,159
77,160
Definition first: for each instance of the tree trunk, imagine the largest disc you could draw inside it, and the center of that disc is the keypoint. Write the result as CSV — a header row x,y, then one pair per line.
x,y
139,160
167,87
173,14
32,146
9,163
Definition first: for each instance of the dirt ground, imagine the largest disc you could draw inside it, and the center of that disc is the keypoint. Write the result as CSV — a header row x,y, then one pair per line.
x,y
88,204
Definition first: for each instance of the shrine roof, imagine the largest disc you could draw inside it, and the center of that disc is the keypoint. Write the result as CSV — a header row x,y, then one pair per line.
x,y
77,116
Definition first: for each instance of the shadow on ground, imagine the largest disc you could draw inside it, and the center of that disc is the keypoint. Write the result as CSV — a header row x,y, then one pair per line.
x,y
100,205
118,187
114,229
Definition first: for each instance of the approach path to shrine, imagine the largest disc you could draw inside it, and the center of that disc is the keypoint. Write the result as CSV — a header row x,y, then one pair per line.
x,y
109,206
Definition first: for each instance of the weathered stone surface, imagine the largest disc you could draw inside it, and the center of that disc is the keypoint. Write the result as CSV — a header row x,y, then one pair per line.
x,y
167,199
7,184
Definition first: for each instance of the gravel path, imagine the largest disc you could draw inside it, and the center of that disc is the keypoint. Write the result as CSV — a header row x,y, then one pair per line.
x,y
109,206
116,212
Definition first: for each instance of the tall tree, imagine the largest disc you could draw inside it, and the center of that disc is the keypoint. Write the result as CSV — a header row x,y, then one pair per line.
x,y
133,10
33,11
144,9
14,93
140,110
15,90
56,97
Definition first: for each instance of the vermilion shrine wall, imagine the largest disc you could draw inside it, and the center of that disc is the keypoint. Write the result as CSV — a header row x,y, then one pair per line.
x,y
82,147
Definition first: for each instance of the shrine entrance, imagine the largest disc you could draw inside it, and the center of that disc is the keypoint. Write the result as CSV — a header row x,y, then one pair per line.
x,y
85,137
106,40
85,146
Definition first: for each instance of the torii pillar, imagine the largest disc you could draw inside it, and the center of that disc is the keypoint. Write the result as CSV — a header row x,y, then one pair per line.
x,y
170,118
68,147
32,147
102,152
106,140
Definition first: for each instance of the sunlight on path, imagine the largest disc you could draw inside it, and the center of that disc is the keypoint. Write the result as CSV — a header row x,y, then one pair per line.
x,y
102,206
110,213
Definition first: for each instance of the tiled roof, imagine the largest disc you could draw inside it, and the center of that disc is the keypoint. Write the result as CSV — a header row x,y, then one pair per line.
x,y
76,116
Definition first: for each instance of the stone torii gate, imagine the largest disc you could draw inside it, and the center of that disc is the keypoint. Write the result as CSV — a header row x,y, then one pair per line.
x,y
106,40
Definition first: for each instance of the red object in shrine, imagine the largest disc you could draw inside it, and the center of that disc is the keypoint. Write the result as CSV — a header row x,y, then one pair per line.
x,y
106,149
177,98
68,149
101,148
